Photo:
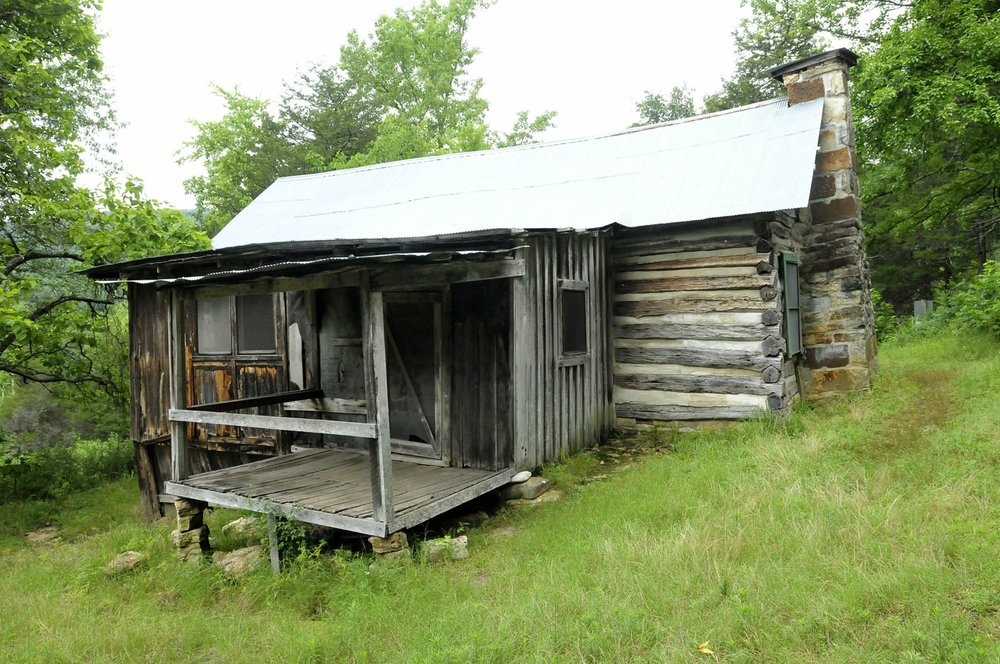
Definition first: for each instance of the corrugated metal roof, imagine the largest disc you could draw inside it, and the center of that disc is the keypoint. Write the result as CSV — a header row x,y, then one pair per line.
x,y
756,158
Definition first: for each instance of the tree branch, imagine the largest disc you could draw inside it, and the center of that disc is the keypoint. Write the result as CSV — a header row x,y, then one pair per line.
x,y
8,340
21,259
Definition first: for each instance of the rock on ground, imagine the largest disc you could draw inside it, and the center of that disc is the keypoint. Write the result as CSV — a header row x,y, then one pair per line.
x,y
240,561
455,548
548,497
529,490
126,562
394,542
522,476
243,528
44,535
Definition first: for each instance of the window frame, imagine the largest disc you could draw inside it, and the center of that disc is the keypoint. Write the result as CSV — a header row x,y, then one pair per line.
x,y
572,358
794,347
234,342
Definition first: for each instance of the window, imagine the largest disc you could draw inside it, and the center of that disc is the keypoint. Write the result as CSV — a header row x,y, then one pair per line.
x,y
574,318
793,317
243,322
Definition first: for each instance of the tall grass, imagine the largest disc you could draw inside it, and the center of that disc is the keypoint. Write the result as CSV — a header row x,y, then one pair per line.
x,y
53,472
861,532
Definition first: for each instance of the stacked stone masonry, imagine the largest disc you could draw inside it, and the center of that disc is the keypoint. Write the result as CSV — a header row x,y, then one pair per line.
x,y
191,537
838,324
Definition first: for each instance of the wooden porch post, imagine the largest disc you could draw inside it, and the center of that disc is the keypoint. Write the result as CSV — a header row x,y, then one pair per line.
x,y
178,430
377,399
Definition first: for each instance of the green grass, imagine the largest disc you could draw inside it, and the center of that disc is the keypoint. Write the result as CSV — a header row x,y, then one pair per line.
x,y
866,531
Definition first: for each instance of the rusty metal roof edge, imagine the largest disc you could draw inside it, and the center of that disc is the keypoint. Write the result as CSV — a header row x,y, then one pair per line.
x,y
296,246
349,260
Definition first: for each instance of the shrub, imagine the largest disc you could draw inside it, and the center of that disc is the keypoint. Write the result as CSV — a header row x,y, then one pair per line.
x,y
56,471
886,320
975,303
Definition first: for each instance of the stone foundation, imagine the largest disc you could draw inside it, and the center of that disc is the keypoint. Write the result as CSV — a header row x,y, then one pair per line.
x,y
191,537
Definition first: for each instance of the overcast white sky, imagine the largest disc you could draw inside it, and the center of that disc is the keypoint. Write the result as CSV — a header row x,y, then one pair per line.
x,y
589,61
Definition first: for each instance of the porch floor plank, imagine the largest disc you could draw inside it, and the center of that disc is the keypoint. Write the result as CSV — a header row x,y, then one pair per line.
x,y
338,482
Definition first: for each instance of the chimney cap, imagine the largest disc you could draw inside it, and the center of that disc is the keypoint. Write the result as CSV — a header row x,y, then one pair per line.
x,y
845,54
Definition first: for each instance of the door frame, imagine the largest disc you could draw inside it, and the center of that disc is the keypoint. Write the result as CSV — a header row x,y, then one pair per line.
x,y
440,447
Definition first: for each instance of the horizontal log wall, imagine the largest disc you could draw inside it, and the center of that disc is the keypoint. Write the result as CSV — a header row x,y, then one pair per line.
x,y
697,323
784,234
562,403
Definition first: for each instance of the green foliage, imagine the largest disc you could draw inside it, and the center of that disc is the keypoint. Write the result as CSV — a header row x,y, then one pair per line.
x,y
293,542
886,320
655,108
974,304
55,326
54,472
402,92
777,32
526,129
242,153
927,106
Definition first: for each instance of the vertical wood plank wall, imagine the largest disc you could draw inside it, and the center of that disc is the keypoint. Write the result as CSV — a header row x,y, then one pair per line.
x,y
559,407
697,329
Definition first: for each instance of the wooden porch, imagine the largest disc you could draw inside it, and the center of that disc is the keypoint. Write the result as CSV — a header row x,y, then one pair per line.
x,y
333,488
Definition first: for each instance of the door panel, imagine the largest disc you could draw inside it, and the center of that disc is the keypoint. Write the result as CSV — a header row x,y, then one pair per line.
x,y
413,367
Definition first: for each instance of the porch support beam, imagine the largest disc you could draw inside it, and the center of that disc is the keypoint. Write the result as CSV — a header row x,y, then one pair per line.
x,y
424,276
377,399
178,430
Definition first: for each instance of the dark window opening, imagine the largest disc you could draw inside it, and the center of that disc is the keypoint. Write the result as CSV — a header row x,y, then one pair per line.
x,y
255,323
574,321
244,322
793,316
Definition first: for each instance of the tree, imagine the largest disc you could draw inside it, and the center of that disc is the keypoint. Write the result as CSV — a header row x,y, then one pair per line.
x,y
781,31
402,92
54,324
655,108
927,104
243,153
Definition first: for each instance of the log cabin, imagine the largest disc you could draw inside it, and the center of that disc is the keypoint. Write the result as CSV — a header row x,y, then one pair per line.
x,y
367,348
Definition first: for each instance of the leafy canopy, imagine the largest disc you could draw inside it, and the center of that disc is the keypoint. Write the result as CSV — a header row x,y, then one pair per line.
x,y
55,326
403,91
926,100
927,107
655,108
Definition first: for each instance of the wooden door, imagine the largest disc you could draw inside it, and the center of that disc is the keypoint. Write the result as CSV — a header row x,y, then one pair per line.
x,y
413,339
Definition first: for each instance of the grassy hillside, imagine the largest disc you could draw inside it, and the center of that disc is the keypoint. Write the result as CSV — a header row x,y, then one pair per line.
x,y
867,531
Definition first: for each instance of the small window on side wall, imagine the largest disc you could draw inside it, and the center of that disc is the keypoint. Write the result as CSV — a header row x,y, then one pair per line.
x,y
574,319
244,322
793,316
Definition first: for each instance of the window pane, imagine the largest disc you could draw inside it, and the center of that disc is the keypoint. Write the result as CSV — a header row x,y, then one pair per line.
x,y
214,333
792,284
794,332
574,321
255,323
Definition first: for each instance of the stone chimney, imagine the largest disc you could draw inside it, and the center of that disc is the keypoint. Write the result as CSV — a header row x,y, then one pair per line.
x,y
838,326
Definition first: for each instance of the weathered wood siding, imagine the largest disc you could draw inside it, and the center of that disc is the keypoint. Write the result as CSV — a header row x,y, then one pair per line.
x,y
480,381
562,404
697,328
149,383
149,309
